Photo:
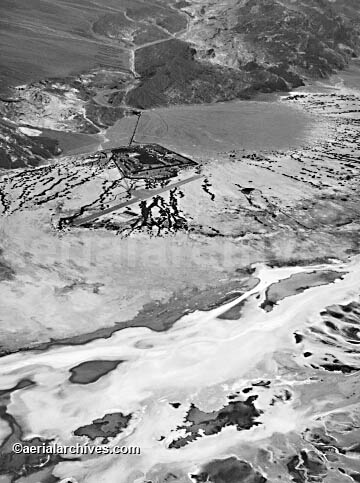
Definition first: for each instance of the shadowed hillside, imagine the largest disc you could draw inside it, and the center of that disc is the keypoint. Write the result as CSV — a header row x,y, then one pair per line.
x,y
252,45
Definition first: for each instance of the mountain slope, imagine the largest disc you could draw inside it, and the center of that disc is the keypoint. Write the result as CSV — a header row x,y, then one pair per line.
x,y
237,48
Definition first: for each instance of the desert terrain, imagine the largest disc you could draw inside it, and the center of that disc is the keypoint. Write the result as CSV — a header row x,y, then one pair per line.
x,y
179,249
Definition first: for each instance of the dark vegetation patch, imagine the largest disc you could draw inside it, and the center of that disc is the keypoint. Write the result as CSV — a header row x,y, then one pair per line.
x,y
229,470
91,371
106,427
158,217
296,284
206,187
241,414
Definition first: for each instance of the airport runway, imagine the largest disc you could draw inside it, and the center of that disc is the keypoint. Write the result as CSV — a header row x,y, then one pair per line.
x,y
136,199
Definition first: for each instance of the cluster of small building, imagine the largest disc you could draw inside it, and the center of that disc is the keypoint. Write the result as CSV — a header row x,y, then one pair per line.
x,y
145,161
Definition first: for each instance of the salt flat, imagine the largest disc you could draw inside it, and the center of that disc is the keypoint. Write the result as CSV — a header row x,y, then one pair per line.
x,y
200,362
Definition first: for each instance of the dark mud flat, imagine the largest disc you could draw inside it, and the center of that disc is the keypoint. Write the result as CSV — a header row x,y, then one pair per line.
x,y
296,284
339,329
91,371
246,390
241,414
106,427
331,450
307,465
20,385
20,465
234,313
161,316
344,321
229,470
